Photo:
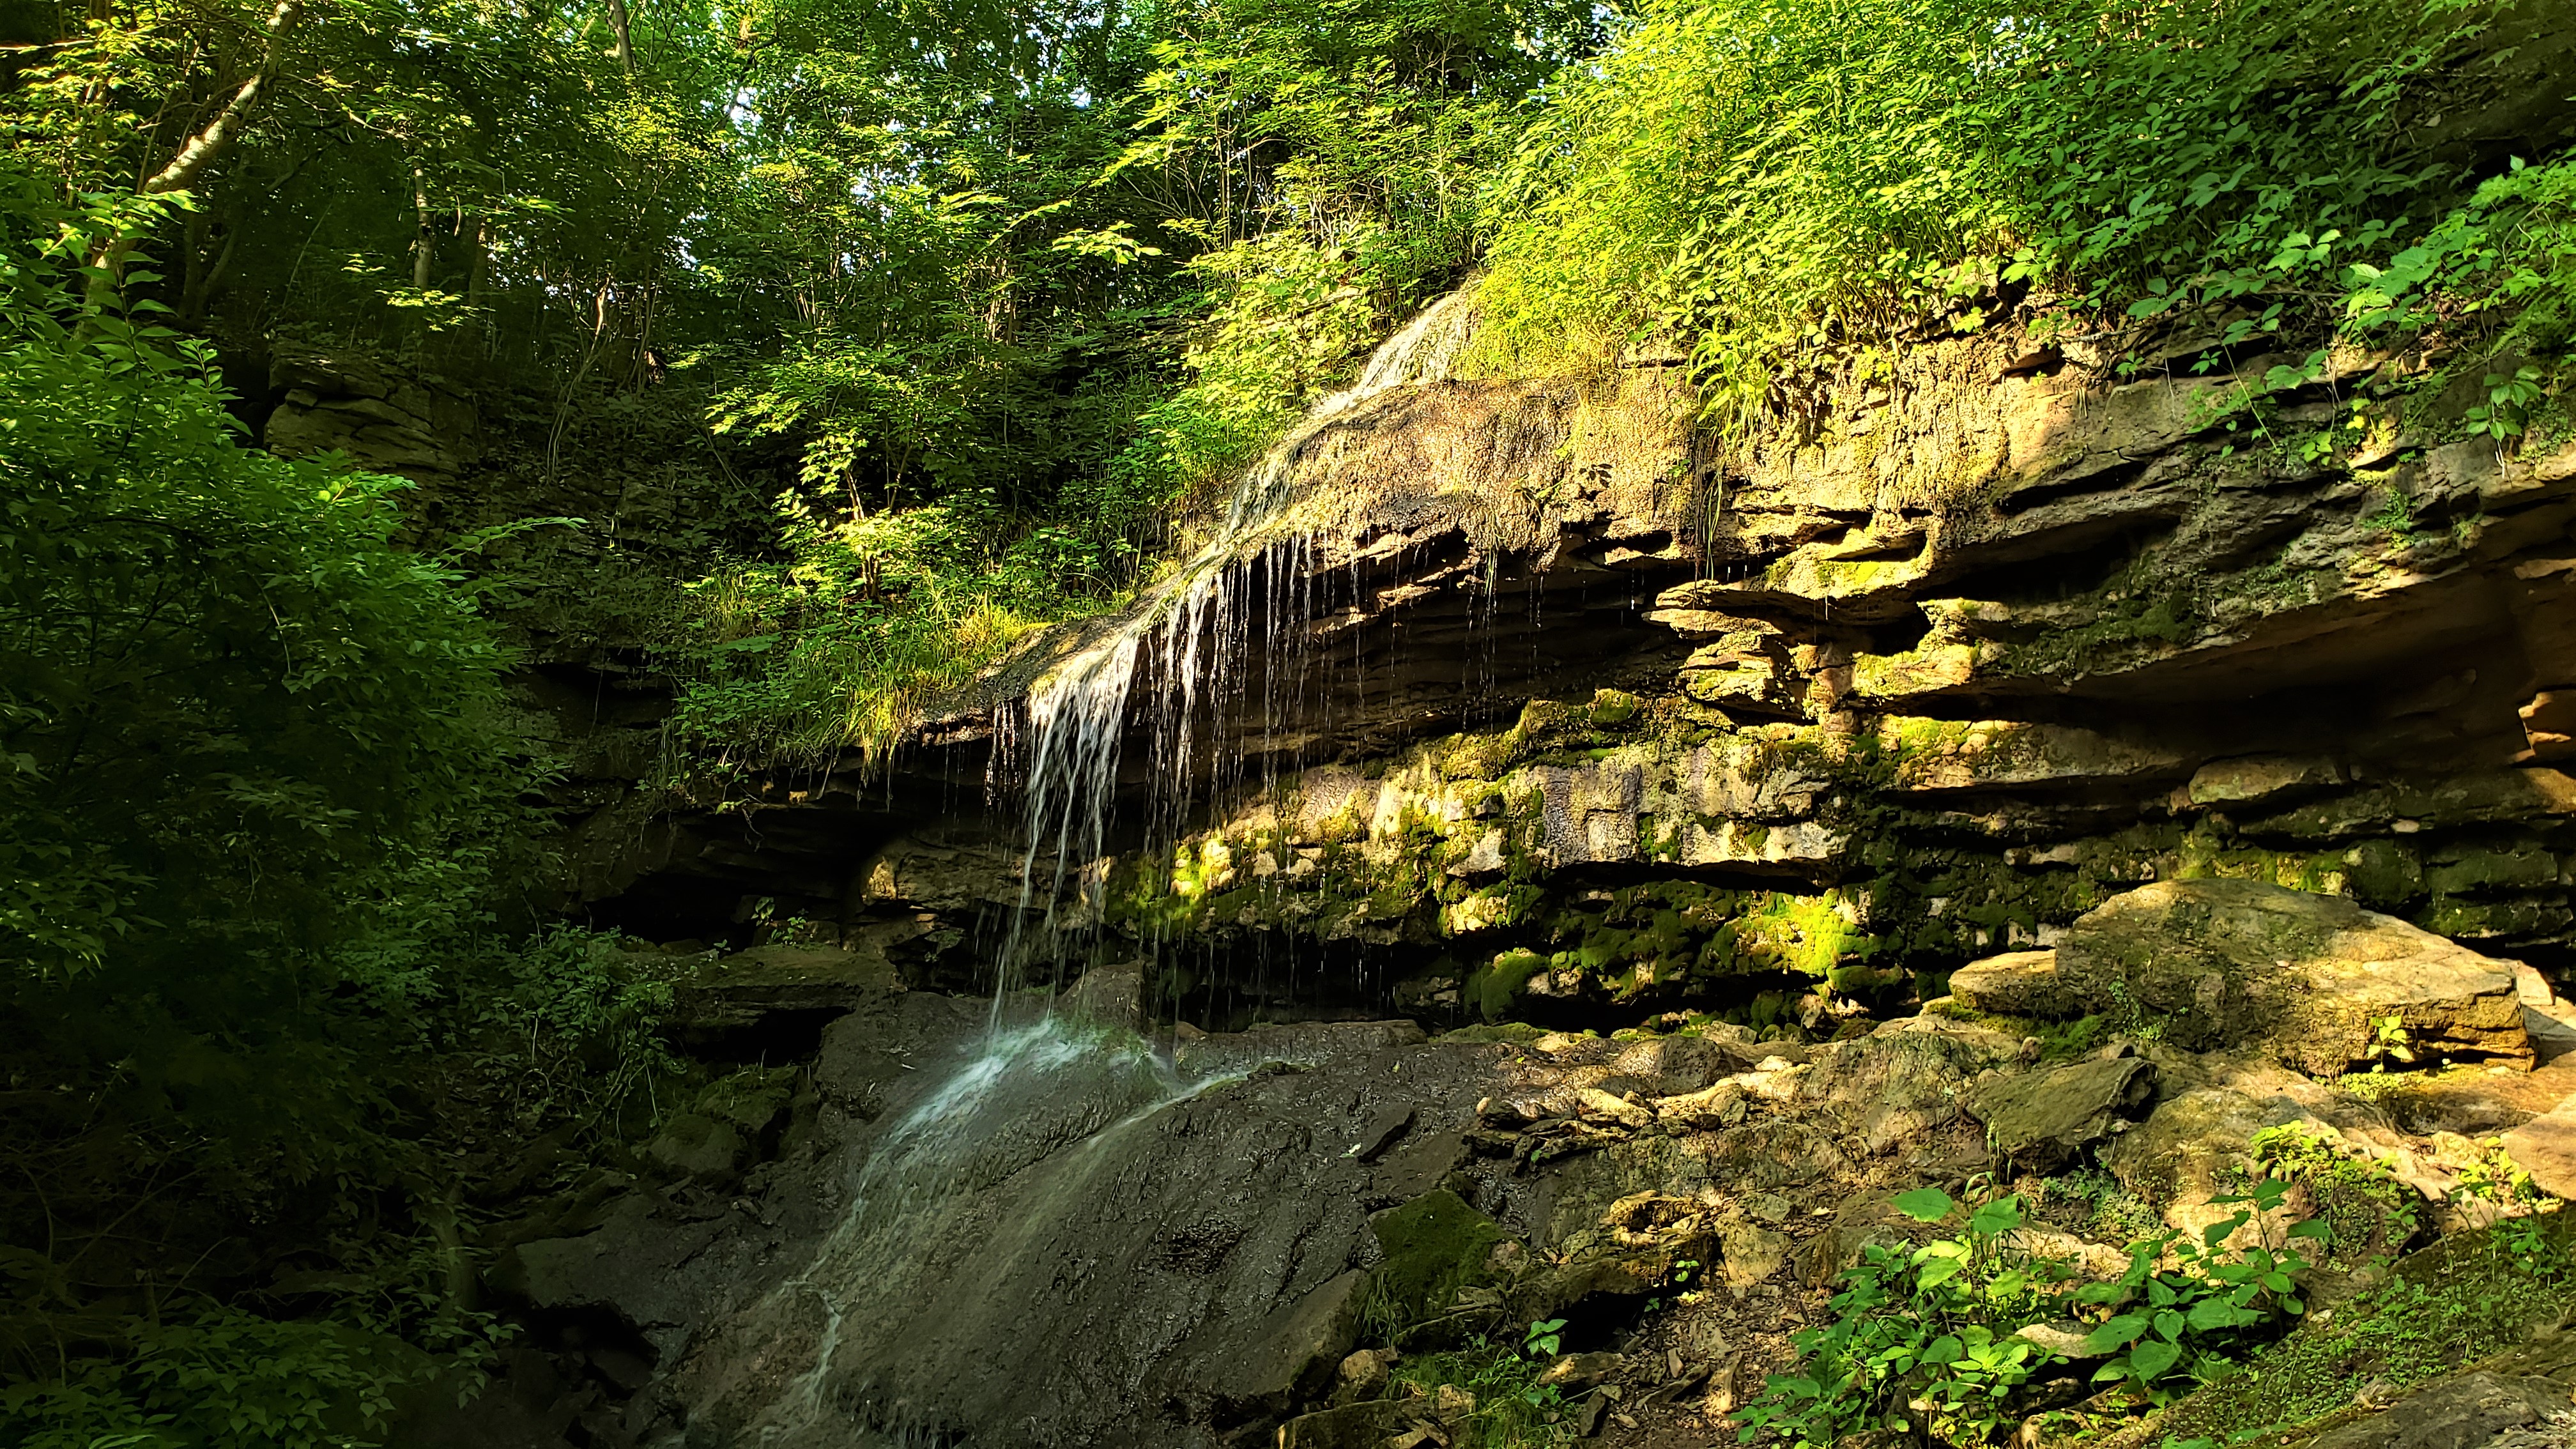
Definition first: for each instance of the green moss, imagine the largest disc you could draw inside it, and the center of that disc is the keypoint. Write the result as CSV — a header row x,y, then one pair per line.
x,y
2136,615
2480,871
2207,856
1434,1246
2383,874
2467,1297
1612,707
2488,920
1492,988
1516,1033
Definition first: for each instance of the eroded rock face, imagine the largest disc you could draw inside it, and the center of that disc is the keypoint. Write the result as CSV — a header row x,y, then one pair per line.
x,y
387,418
1962,656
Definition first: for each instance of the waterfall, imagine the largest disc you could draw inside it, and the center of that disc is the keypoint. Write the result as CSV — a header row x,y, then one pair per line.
x,y
1030,1092
1022,1093
1189,634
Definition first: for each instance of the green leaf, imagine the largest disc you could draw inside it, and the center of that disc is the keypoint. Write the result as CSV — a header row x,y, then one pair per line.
x,y
2115,1333
1996,1218
1924,1204
2212,1314
2149,1360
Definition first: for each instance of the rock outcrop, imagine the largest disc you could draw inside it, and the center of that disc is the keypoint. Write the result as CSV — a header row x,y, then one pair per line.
x,y
2316,981
2198,735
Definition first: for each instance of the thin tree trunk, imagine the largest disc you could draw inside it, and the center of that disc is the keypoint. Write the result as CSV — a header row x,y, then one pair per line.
x,y
424,242
215,273
625,51
208,145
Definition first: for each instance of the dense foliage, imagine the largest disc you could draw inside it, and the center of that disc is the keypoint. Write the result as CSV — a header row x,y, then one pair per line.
x,y
1784,187
909,328
257,783
1017,285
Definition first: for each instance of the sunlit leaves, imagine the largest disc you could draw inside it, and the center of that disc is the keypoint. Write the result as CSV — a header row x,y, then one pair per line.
x,y
1774,179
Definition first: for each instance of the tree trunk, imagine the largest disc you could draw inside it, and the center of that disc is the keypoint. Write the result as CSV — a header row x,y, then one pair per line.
x,y
424,241
625,51
209,145
206,147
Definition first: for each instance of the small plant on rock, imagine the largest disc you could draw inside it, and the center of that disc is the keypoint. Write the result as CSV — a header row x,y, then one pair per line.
x,y
2370,1210
1913,1334
1494,1398
2176,1308
2097,1204
1541,1339
1927,1339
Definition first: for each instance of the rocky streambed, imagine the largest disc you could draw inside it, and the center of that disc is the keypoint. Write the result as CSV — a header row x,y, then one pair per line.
x,y
1051,1222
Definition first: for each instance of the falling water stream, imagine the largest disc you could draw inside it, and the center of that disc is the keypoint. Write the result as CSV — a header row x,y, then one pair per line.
x,y
1031,1088
1188,635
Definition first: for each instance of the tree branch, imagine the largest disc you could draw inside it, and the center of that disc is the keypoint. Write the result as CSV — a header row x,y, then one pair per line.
x,y
209,144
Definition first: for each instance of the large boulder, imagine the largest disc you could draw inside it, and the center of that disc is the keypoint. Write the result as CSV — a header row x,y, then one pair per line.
x,y
1896,1088
2017,983
2315,980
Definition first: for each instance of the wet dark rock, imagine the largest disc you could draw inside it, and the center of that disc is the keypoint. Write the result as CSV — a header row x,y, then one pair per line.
x,y
696,1146
1381,1133
1201,1252
743,989
1424,1162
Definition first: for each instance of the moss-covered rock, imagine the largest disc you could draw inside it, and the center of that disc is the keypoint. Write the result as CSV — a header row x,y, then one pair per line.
x,y
1433,1246
2321,983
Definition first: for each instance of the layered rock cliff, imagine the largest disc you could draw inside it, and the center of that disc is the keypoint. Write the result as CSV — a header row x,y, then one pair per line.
x,y
1539,864
1539,706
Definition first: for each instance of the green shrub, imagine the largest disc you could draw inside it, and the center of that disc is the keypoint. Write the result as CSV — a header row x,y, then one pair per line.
x,y
2466,1297
1781,183
1929,1332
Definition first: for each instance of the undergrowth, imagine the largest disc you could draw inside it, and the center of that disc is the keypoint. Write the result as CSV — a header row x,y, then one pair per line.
x,y
1511,1408
1795,209
847,640
1928,1339
2469,1296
